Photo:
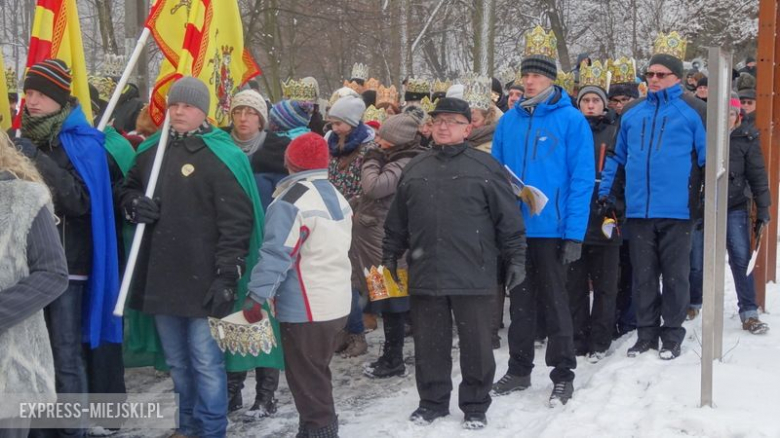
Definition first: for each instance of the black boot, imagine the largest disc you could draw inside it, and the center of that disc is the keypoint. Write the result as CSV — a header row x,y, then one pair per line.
x,y
235,383
267,383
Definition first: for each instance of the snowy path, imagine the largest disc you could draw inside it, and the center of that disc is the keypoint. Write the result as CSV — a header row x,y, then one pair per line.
x,y
618,397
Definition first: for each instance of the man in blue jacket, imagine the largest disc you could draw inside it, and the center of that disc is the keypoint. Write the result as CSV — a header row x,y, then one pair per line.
x,y
549,145
661,144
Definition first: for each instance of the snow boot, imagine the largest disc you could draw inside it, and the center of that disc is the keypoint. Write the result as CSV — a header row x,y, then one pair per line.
x,y
562,392
235,383
424,416
387,368
357,345
755,326
669,351
474,421
642,346
342,341
510,383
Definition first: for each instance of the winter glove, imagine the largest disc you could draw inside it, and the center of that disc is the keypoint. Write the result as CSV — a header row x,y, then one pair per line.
x,y
605,206
570,251
26,147
222,294
375,154
392,266
253,311
515,275
142,210
762,219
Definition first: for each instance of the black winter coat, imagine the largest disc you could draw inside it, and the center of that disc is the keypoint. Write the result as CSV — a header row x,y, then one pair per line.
x,y
605,130
747,173
455,212
205,224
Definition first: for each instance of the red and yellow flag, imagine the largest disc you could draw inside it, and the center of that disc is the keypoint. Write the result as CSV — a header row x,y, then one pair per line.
x,y
56,33
209,45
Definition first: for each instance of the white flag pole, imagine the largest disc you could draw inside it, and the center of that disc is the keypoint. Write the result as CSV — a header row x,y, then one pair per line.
x,y
140,228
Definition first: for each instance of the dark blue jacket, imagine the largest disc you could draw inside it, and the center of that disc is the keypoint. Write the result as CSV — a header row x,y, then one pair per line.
x,y
552,150
662,145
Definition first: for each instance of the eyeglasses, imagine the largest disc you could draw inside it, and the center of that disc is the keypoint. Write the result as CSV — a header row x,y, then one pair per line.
x,y
657,74
448,122
619,100
244,112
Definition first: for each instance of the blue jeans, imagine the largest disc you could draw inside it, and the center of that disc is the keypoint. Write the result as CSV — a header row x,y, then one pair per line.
x,y
738,247
198,372
63,319
355,320
696,279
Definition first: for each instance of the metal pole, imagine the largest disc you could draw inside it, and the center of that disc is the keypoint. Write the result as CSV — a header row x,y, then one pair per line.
x,y
132,258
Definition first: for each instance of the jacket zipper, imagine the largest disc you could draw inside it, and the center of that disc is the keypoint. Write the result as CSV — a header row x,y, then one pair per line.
x,y
557,208
525,152
642,137
649,149
661,134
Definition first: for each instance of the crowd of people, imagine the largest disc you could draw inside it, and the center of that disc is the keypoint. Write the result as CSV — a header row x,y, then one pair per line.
x,y
278,218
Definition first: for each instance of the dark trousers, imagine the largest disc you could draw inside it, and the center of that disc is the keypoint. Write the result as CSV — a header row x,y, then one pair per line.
x,y
624,314
593,325
498,318
266,383
308,349
432,320
545,283
661,247
393,325
105,369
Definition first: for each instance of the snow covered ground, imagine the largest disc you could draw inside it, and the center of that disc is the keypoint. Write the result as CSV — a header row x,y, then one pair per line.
x,y
617,397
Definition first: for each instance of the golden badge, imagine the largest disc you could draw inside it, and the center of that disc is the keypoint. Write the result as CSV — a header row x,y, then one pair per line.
x,y
187,169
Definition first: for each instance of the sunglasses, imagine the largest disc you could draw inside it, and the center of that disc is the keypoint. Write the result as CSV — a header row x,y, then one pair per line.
x,y
657,74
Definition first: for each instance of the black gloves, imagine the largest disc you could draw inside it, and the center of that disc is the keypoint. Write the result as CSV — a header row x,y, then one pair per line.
x,y
570,251
221,295
515,275
605,206
142,210
26,147
392,266
762,219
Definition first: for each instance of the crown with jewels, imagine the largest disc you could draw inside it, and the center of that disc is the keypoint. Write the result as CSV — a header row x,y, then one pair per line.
x,y
374,114
565,81
417,85
670,44
113,65
539,42
595,74
372,84
11,81
386,95
623,70
440,86
506,75
359,71
299,90
427,105
104,85
478,92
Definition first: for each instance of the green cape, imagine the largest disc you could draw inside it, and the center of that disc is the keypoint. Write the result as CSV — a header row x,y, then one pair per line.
x,y
223,147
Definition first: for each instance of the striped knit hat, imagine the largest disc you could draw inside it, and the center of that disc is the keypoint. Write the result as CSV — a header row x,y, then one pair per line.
x,y
539,64
290,114
50,77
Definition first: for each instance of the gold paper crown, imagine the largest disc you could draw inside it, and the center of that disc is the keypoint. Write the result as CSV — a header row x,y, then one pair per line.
x,y
10,81
623,70
506,75
386,95
670,44
354,86
104,85
372,113
415,85
478,92
539,42
427,105
372,84
299,90
565,81
595,74
113,65
440,87
359,71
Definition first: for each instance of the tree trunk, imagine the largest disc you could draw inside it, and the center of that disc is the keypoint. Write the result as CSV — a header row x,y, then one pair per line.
x,y
556,23
107,35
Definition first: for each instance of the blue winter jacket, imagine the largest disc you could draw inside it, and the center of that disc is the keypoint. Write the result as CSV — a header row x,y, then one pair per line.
x,y
551,149
662,144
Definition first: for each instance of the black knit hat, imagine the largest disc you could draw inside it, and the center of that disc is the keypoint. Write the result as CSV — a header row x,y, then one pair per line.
x,y
702,82
630,90
50,77
670,62
540,64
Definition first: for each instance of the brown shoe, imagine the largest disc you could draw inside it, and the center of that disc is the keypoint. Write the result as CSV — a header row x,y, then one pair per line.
x,y
369,322
357,346
342,341
754,326
692,313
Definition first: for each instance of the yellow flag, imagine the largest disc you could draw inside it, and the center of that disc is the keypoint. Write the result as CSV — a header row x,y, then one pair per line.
x,y
5,106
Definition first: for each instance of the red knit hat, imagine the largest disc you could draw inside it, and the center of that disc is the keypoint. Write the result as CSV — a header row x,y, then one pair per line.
x,y
307,152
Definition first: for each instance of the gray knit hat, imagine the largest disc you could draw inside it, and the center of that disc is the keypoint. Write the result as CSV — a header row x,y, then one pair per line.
x,y
348,109
191,91
539,64
251,99
399,129
588,89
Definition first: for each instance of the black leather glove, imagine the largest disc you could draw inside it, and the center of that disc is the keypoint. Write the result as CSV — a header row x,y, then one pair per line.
x,y
762,219
571,250
605,206
515,275
392,266
220,297
375,154
142,210
26,147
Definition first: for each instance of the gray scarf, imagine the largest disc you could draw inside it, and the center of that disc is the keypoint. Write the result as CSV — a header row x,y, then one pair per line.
x,y
530,104
249,146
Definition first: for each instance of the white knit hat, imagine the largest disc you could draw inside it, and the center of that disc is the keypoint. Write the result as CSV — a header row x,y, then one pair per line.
x,y
348,109
251,99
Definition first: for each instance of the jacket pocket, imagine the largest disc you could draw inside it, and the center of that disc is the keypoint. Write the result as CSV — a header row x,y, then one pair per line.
x,y
642,135
536,143
661,134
